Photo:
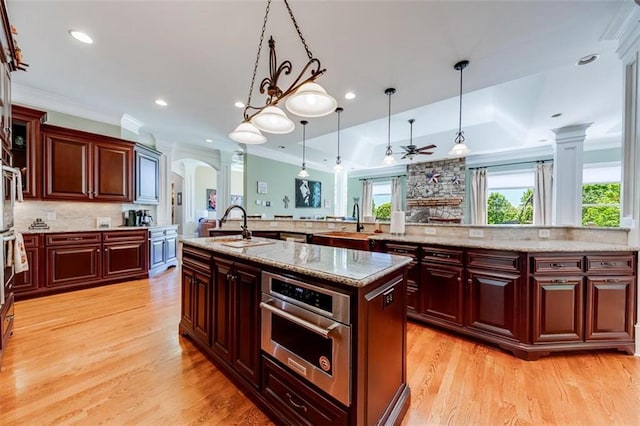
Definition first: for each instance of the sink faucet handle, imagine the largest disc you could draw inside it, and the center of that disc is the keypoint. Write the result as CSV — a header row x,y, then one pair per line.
x,y
246,234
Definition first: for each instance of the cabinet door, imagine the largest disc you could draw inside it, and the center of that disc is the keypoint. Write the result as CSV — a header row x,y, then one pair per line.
x,y
73,265
126,258
67,167
442,288
246,322
157,252
187,297
492,302
112,171
413,288
28,281
558,314
202,307
222,305
146,176
171,245
610,308
27,148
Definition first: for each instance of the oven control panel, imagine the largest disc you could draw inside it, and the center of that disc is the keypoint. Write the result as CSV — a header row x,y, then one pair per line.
x,y
310,297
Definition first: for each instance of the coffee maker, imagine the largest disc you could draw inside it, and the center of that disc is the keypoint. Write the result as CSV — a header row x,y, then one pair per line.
x,y
130,218
147,219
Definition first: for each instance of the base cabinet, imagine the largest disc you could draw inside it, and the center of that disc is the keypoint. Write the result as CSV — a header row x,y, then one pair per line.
x,y
558,309
28,282
163,249
610,308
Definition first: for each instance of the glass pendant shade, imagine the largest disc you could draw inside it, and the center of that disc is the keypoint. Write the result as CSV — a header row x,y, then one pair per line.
x,y
273,120
303,172
311,100
459,149
388,159
248,134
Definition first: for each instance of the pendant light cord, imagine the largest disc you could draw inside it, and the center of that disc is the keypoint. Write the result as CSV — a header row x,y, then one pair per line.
x,y
339,110
304,137
460,113
389,124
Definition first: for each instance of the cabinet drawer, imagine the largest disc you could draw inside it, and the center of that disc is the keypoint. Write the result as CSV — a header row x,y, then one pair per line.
x,y
442,255
73,238
31,240
503,261
296,402
403,249
115,236
608,264
156,233
196,258
556,264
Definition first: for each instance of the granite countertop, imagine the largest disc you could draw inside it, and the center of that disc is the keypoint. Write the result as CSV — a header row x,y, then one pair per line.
x,y
354,268
94,229
508,245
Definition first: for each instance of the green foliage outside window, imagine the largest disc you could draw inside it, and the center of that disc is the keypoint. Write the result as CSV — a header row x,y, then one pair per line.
x,y
383,211
501,211
601,204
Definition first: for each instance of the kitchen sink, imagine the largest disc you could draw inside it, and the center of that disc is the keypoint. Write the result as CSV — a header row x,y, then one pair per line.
x,y
240,243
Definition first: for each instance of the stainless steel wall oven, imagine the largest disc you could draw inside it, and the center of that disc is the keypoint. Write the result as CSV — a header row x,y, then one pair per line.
x,y
308,329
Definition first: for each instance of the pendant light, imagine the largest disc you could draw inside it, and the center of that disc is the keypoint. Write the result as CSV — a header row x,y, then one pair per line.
x,y
311,100
303,171
273,120
338,167
248,134
460,149
388,155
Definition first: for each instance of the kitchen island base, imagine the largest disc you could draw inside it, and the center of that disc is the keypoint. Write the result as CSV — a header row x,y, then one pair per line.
x,y
223,314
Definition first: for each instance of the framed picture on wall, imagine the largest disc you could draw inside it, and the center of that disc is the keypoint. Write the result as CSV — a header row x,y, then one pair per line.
x,y
211,199
308,193
236,199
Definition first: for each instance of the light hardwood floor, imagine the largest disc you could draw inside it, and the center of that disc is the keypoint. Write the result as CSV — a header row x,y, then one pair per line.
x,y
112,355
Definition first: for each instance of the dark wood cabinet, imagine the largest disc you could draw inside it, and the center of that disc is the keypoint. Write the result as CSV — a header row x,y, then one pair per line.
x,y
84,166
28,282
414,294
558,309
27,148
443,294
163,249
73,259
610,308
236,320
124,253
147,169
197,286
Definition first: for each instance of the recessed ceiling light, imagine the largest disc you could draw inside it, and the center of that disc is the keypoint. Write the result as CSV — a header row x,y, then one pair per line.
x,y
161,102
239,104
349,95
543,140
80,36
556,115
588,59
209,140
281,146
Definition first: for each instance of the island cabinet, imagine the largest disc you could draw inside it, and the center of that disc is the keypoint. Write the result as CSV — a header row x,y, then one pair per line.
x,y
414,302
442,278
231,314
86,167
583,301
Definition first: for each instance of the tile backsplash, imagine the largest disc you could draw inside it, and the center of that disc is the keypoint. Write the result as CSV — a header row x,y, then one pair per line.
x,y
64,216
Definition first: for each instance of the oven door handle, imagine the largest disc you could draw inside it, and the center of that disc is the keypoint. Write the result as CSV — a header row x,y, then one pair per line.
x,y
324,332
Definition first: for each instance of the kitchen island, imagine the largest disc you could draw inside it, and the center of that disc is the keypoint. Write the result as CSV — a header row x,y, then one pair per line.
x,y
313,334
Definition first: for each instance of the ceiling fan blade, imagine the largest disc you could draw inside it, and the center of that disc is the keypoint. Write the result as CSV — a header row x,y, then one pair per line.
x,y
425,152
427,147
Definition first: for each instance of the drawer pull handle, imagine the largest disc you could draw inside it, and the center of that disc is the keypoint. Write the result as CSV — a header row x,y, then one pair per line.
x,y
74,238
442,255
560,281
612,281
298,406
557,265
607,264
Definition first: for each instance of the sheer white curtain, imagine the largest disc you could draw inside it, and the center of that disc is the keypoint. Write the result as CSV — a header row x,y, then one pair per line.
x,y
478,197
543,194
367,198
396,194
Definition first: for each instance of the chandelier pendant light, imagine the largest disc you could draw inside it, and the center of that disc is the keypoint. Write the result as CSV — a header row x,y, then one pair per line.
x,y
460,149
338,167
388,155
303,97
303,170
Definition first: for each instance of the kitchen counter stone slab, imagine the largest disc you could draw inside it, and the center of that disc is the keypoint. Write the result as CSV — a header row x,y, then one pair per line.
x,y
354,268
75,229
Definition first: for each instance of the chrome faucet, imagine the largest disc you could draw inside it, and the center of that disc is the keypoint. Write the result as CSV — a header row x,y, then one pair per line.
x,y
356,207
246,234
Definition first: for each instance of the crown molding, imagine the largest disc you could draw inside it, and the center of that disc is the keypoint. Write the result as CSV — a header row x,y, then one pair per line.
x,y
625,29
42,99
130,123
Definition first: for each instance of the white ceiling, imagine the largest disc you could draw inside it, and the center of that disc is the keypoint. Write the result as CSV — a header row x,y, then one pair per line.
x,y
199,55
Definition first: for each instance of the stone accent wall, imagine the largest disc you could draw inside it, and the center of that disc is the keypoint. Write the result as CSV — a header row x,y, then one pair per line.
x,y
435,190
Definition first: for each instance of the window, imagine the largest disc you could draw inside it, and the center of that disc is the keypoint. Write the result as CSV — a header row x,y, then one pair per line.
x,y
601,195
510,197
382,200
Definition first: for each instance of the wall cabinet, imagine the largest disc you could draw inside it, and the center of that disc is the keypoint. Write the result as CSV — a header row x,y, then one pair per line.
x,y
147,170
86,167
163,249
68,261
27,148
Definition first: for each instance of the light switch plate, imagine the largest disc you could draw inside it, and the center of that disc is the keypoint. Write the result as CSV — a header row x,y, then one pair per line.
x,y
258,202
476,233
544,233
430,231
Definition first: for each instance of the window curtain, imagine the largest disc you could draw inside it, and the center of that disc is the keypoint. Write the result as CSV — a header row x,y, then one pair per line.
x,y
478,197
543,194
396,194
367,198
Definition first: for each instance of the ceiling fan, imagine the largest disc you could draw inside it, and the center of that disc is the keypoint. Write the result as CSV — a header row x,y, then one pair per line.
x,y
412,150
